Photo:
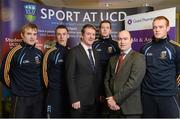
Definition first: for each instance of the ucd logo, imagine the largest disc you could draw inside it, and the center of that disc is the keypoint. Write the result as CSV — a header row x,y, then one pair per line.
x,y
30,11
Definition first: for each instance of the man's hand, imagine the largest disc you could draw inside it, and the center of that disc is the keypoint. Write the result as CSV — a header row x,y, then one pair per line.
x,y
76,105
112,104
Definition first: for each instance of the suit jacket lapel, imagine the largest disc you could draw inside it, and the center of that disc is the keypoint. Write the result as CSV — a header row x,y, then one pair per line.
x,y
84,54
95,56
114,63
127,58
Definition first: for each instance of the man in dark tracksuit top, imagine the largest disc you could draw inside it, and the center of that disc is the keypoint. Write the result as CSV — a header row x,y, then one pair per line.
x,y
54,74
159,87
106,48
21,71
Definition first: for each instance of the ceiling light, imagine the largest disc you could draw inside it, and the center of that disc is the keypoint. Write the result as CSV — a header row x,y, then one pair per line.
x,y
108,4
145,3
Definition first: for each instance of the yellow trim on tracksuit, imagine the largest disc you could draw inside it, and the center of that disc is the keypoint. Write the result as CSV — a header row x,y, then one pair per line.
x,y
44,67
8,63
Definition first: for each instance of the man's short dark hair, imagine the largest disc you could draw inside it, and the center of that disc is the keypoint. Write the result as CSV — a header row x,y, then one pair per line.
x,y
87,26
105,21
61,27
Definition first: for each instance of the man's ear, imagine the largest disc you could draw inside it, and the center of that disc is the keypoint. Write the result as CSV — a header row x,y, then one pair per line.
x,y
22,36
110,31
81,36
168,28
67,35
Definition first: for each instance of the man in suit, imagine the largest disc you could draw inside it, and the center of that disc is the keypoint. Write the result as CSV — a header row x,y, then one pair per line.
x,y
123,79
83,76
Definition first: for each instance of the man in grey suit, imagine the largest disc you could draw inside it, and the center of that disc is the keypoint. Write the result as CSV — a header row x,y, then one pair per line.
x,y
123,80
83,76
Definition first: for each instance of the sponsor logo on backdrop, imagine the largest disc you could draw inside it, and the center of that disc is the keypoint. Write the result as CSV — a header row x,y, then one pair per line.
x,y
129,21
30,11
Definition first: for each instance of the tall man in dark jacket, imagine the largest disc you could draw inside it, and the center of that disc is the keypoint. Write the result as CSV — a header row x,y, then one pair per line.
x,y
106,47
54,75
159,87
21,71
83,75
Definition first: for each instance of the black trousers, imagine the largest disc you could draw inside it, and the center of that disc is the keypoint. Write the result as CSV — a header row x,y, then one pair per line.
x,y
160,106
58,104
103,109
27,107
120,114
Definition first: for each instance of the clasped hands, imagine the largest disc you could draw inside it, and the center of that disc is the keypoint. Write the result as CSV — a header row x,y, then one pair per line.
x,y
112,104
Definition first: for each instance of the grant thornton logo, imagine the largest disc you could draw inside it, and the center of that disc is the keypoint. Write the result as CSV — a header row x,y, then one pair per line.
x,y
30,12
129,21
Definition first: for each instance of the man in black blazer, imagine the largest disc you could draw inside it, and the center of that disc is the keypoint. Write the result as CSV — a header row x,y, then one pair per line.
x,y
123,80
83,76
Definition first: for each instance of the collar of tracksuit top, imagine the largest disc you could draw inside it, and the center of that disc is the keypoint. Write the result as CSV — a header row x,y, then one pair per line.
x,y
23,44
105,38
161,40
59,45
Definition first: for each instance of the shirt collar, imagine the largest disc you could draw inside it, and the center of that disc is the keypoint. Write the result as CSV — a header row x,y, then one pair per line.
x,y
127,51
85,46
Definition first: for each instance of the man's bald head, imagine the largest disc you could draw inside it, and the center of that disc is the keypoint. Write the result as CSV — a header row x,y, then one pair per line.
x,y
125,32
124,40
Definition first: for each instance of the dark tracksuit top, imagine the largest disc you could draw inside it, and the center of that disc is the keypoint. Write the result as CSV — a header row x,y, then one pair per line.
x,y
25,71
57,99
106,48
55,68
163,66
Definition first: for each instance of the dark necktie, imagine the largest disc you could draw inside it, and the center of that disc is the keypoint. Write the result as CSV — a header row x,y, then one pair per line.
x,y
91,58
119,62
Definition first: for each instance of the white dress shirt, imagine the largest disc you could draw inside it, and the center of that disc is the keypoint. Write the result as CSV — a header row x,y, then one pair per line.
x,y
87,52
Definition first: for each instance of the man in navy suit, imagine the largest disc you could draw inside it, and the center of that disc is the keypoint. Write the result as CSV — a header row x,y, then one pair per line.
x,y
83,76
